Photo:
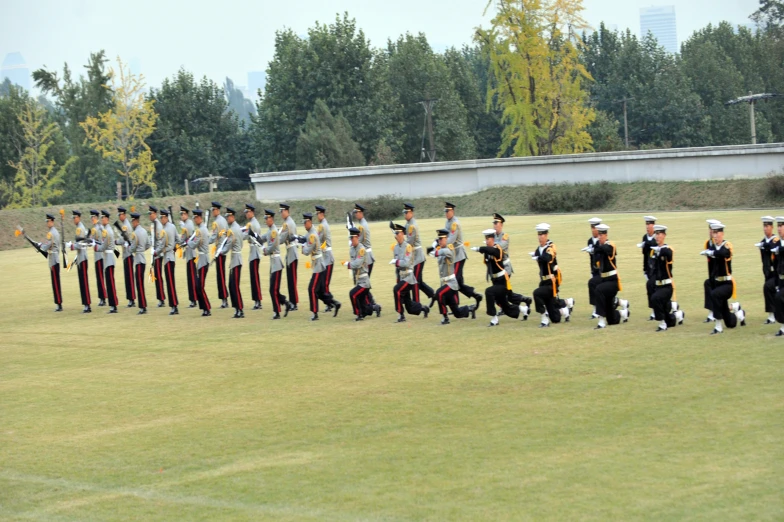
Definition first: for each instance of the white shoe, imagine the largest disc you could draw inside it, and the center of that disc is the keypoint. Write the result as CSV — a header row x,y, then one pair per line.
x,y
680,316
494,321
624,315
741,315
569,302
675,306
662,326
565,314
524,311
602,323
734,307
717,328
623,303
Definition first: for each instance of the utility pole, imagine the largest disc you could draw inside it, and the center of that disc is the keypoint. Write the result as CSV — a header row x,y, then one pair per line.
x,y
428,128
752,100
211,180
625,100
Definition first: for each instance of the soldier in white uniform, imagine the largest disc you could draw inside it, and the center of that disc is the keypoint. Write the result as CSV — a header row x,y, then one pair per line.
x,y
288,231
199,242
51,245
158,238
234,245
254,257
447,297
140,243
95,233
311,246
187,230
219,227
456,240
413,239
170,239
325,240
127,256
404,266
271,248
106,247
359,295
81,260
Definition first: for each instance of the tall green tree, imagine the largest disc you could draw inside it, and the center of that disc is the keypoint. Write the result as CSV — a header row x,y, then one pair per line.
x,y
243,107
325,141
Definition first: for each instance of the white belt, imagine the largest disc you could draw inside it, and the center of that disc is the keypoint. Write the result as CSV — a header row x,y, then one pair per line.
x,y
274,255
328,249
445,279
502,273
724,278
368,250
610,273
547,277
507,261
664,282
361,276
317,256
420,248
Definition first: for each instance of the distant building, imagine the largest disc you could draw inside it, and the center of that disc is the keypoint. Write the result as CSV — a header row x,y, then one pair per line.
x,y
256,81
660,21
15,69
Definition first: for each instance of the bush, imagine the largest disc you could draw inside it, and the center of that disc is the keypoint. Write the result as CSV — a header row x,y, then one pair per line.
x,y
570,198
774,186
383,208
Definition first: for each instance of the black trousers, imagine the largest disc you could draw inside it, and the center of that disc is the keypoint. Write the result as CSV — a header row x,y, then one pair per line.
x,y
497,295
360,301
99,279
278,299
421,285
220,277
234,287
317,290
769,291
662,305
707,290
139,271
650,288
593,282
402,295
778,305
605,300
291,280
255,280
57,290
84,283
466,290
130,293
157,270
370,268
190,271
171,287
111,288
201,293
328,279
721,294
546,300
448,298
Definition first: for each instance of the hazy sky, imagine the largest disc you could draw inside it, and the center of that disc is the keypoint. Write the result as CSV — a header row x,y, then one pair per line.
x,y
233,37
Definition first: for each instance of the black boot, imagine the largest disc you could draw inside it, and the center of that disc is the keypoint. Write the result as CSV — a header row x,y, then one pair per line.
x,y
314,317
401,318
112,309
336,307
478,298
377,309
276,316
161,304
206,313
59,308
225,303
192,304
257,306
131,304
141,311
445,320
426,311
87,310
174,311
102,302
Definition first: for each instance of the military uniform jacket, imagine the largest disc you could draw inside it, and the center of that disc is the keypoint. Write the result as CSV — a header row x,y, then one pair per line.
x,y
722,263
360,259
106,246
404,261
606,259
234,245
219,228
710,246
126,227
593,242
312,248
662,265
96,234
81,233
253,226
169,241
648,242
51,245
455,238
188,228
199,243
548,263
159,239
769,258
271,242
325,240
364,240
412,238
288,231
446,267
494,261
140,243
502,241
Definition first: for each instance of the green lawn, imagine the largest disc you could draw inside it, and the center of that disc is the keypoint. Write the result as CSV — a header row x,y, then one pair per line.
x,y
126,417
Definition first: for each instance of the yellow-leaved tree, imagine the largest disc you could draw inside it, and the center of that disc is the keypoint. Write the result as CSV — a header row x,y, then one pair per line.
x,y
38,176
536,76
119,134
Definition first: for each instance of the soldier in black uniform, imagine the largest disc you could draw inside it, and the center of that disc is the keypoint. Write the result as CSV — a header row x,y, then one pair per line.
x,y
769,265
608,289
595,277
724,287
778,302
664,284
551,307
648,242
501,286
709,283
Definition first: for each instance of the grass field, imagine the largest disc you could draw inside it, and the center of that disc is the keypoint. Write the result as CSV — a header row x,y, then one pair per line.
x,y
157,417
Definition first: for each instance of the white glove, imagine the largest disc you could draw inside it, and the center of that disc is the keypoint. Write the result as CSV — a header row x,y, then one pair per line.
x,y
432,253
69,245
393,262
759,245
435,244
345,263
535,258
475,249
775,250
349,243
646,276
126,244
707,253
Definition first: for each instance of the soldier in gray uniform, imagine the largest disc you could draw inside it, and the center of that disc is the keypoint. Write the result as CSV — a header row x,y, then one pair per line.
x,y
170,239
311,246
51,245
219,227
106,247
140,243
501,240
447,295
127,256
271,248
288,231
412,238
360,294
158,238
254,258
81,260
95,233
234,245
364,234
456,240
325,240
187,230
404,264
199,242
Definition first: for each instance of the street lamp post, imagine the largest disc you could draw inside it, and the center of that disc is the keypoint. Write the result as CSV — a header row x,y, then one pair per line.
x,y
752,100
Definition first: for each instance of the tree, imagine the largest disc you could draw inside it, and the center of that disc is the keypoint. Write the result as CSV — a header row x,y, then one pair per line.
x,y
119,134
38,176
242,107
325,141
13,101
604,133
534,57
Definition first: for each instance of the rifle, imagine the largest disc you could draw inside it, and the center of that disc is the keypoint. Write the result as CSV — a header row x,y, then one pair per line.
x,y
154,230
62,238
219,249
349,221
124,235
36,245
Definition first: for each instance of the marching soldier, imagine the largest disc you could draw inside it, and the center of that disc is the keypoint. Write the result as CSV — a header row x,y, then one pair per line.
x,y
404,264
81,260
254,258
311,246
456,240
234,245
271,248
52,248
502,241
724,287
169,240
779,300
219,227
158,239
127,256
364,235
501,286
548,304
607,290
596,278
199,243
648,242
412,238
665,310
95,233
446,295
360,294
769,265
140,243
709,282
325,240
187,230
106,247
288,231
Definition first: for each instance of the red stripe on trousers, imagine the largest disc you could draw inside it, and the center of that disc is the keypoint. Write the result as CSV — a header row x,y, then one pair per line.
x,y
172,289
440,299
86,283
399,300
56,286
313,300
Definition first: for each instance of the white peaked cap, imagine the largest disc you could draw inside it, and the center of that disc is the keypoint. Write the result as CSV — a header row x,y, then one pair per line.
x,y
712,221
768,219
602,227
489,232
649,218
660,228
543,227
595,220
717,226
